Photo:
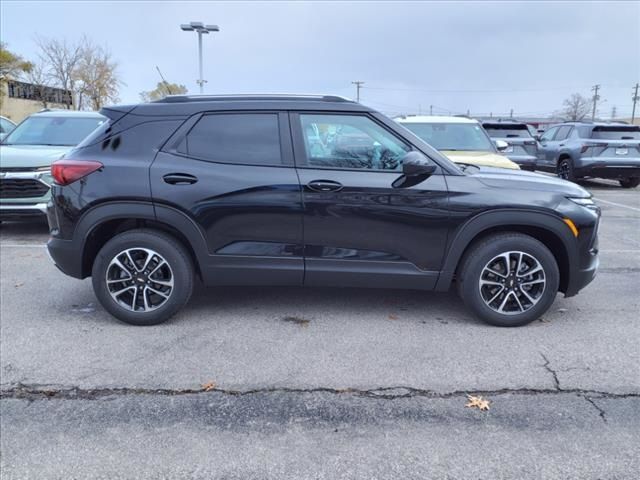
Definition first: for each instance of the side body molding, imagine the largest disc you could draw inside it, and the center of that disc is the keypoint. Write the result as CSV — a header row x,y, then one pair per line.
x,y
482,222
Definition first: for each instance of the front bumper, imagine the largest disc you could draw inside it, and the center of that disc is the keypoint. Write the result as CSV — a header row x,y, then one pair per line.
x,y
18,210
17,190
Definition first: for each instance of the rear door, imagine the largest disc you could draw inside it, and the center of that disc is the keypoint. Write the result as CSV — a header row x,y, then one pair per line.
x,y
358,229
547,149
232,173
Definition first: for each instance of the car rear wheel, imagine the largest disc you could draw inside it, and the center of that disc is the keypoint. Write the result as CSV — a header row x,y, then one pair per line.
x,y
565,169
508,279
142,277
632,182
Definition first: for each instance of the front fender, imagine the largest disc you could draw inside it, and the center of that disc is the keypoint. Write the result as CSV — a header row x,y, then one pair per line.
x,y
502,220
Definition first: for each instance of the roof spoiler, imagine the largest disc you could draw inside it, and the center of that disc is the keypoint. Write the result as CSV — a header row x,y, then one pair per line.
x,y
115,113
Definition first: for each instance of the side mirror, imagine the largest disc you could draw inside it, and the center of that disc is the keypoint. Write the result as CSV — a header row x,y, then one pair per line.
x,y
416,168
501,145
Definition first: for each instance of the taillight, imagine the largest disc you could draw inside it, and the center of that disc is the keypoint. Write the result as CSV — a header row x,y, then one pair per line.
x,y
65,172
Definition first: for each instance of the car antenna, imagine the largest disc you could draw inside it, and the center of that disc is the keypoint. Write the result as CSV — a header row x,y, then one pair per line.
x,y
166,85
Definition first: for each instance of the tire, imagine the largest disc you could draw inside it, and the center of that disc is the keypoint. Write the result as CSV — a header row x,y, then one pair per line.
x,y
518,310
631,182
145,300
564,169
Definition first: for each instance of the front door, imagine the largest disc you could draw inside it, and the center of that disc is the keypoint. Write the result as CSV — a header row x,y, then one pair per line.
x,y
358,229
233,175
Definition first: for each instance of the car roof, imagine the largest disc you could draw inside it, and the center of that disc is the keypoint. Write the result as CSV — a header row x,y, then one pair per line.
x,y
434,119
66,113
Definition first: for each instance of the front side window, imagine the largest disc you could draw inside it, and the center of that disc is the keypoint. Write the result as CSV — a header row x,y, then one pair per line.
x,y
453,136
50,130
241,138
350,141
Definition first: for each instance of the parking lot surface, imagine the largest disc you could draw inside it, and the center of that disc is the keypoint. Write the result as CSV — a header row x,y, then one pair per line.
x,y
320,383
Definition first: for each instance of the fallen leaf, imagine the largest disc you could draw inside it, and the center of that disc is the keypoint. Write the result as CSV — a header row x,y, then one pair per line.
x,y
562,310
19,284
393,317
477,402
207,387
303,322
544,320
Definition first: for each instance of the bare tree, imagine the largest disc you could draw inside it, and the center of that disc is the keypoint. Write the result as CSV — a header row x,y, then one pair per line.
x,y
62,59
95,77
576,107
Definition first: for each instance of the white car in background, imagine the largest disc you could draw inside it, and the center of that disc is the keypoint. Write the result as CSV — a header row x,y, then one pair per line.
x,y
6,126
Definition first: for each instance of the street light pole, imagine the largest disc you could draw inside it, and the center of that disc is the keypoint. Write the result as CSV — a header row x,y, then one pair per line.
x,y
200,29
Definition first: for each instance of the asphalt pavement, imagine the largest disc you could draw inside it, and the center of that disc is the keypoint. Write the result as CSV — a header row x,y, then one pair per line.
x,y
320,383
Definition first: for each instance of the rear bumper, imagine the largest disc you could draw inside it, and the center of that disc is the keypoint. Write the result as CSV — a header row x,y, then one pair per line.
x,y
65,256
526,162
613,168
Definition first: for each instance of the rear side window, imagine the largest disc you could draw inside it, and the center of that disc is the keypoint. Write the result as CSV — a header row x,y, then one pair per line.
x,y
616,133
242,138
507,130
563,132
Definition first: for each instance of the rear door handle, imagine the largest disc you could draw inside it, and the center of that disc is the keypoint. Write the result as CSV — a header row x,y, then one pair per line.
x,y
180,179
324,186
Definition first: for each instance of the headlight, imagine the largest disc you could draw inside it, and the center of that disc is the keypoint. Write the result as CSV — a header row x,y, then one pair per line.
x,y
585,202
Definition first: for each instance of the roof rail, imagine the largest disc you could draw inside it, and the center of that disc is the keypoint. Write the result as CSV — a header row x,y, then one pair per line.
x,y
249,97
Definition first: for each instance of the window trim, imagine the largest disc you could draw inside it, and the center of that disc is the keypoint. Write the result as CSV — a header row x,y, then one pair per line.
x,y
180,137
300,151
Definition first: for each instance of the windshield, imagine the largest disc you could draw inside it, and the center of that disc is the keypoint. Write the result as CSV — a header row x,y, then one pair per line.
x,y
616,133
452,136
58,131
507,131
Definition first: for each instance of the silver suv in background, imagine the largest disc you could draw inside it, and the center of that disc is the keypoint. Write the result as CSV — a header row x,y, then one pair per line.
x,y
6,126
575,150
26,155
522,147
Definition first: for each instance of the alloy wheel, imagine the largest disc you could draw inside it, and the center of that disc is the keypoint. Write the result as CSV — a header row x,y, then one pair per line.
x,y
139,279
512,283
564,170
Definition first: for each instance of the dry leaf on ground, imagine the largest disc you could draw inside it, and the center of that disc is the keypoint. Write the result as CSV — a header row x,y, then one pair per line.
x,y
393,317
207,387
477,402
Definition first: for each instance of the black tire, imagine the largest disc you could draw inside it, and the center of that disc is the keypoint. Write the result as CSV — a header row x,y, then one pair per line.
x,y
631,182
564,169
478,257
180,269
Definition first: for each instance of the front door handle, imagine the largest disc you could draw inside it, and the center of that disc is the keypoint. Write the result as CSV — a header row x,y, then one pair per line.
x,y
180,179
324,186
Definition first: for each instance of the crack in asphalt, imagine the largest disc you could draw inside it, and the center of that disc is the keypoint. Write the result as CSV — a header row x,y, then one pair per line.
x,y
600,410
39,392
547,366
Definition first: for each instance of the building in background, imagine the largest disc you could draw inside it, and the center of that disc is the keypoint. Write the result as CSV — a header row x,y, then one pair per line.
x,y
21,99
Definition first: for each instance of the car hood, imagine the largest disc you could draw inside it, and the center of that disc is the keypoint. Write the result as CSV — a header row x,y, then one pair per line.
x,y
30,156
488,159
524,180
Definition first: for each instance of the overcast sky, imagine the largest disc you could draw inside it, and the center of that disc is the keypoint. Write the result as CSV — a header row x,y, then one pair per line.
x,y
485,57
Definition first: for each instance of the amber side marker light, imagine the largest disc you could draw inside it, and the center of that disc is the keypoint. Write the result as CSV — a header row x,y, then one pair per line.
x,y
572,226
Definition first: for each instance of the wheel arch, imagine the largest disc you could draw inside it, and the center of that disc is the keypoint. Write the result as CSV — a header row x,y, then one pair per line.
x,y
103,222
544,227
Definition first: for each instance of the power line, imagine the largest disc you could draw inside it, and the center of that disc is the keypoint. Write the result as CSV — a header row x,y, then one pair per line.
x,y
483,90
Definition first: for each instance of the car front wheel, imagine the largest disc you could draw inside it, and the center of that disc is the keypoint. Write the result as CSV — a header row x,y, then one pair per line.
x,y
508,279
142,277
632,182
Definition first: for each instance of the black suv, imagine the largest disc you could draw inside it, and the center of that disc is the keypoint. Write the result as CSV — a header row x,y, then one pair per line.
x,y
305,190
522,147
577,150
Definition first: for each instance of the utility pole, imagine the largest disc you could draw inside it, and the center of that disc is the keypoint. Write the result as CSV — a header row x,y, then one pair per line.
x,y
596,97
200,29
635,100
511,113
358,84
613,112
430,109
468,113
